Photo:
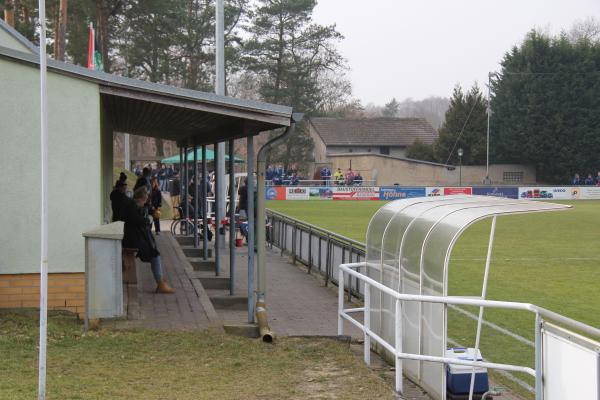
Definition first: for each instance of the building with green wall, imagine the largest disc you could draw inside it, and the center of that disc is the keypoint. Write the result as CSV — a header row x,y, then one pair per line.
x,y
84,109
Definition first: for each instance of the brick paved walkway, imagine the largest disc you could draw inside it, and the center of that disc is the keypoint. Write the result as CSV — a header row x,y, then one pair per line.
x,y
182,310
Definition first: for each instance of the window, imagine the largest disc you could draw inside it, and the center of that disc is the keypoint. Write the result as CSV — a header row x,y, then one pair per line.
x,y
369,150
512,177
384,150
349,150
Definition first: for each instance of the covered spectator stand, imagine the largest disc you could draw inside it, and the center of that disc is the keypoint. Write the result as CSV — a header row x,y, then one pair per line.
x,y
405,278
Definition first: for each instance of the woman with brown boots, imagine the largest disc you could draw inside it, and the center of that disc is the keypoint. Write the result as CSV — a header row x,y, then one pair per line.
x,y
137,235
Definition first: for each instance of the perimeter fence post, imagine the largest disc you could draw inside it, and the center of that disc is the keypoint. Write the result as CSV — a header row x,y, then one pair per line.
x,y
539,376
341,303
398,345
367,327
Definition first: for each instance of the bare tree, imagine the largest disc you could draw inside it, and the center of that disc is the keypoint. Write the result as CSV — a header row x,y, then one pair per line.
x,y
587,29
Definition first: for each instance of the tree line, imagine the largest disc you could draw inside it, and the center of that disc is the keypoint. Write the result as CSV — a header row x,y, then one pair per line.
x,y
545,109
274,51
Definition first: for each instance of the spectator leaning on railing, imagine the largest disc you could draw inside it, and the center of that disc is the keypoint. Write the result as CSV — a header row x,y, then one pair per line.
x,y
326,175
339,177
589,180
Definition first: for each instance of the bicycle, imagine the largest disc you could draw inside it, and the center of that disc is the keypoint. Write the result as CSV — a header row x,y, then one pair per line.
x,y
183,226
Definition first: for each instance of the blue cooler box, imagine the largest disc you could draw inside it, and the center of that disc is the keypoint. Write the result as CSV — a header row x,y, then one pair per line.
x,y
458,377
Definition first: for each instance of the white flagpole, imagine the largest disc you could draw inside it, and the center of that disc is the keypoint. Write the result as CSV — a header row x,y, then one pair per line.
x,y
44,206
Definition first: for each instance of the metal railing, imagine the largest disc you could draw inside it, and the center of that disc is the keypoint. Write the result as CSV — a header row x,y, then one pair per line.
x,y
351,269
321,182
327,250
317,248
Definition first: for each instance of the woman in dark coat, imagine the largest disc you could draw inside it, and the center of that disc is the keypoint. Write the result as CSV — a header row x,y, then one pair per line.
x,y
137,235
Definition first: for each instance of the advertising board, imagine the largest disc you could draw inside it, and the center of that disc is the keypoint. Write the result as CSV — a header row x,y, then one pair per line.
x,y
296,193
449,191
356,193
434,191
396,192
320,193
508,192
275,193
589,192
549,192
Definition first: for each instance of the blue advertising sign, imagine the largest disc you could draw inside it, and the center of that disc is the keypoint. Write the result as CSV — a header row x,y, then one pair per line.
x,y
395,193
509,192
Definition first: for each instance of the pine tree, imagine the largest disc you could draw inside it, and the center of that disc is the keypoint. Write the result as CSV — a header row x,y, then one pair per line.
x,y
293,58
391,109
464,127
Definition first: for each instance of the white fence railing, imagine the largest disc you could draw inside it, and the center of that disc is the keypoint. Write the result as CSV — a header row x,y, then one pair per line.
x,y
542,368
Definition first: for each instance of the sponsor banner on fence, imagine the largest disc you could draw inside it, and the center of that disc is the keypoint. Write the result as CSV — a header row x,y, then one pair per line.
x,y
320,193
356,193
394,193
275,193
589,192
296,193
449,191
434,191
509,192
549,192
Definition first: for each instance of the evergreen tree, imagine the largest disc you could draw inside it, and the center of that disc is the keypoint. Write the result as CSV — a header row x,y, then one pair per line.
x,y
391,109
546,107
465,127
293,59
420,151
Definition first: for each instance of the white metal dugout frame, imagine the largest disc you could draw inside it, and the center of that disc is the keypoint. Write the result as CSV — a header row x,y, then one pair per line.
x,y
409,244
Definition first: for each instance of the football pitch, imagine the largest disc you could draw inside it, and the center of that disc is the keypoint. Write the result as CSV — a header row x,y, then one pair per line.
x,y
548,259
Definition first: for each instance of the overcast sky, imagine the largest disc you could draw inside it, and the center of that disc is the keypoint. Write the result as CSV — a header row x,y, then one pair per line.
x,y
419,48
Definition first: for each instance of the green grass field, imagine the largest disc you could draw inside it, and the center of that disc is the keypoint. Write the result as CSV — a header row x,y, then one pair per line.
x,y
150,365
549,259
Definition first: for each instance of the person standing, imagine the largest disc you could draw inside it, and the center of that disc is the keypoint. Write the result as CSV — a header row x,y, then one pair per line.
x,y
118,200
162,177
176,189
349,177
144,180
326,175
339,176
137,235
589,180
156,204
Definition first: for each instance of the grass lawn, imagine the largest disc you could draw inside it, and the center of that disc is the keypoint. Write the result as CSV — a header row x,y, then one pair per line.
x,y
549,259
145,364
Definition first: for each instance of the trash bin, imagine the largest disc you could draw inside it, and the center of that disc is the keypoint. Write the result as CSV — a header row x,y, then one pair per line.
x,y
103,272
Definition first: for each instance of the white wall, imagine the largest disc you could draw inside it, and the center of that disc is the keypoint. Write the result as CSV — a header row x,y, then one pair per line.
x,y
74,168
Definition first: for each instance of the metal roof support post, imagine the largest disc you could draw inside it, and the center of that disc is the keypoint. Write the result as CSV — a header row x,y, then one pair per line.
x,y
483,295
218,215
250,212
260,212
204,206
195,178
44,207
180,171
232,231
184,188
220,90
